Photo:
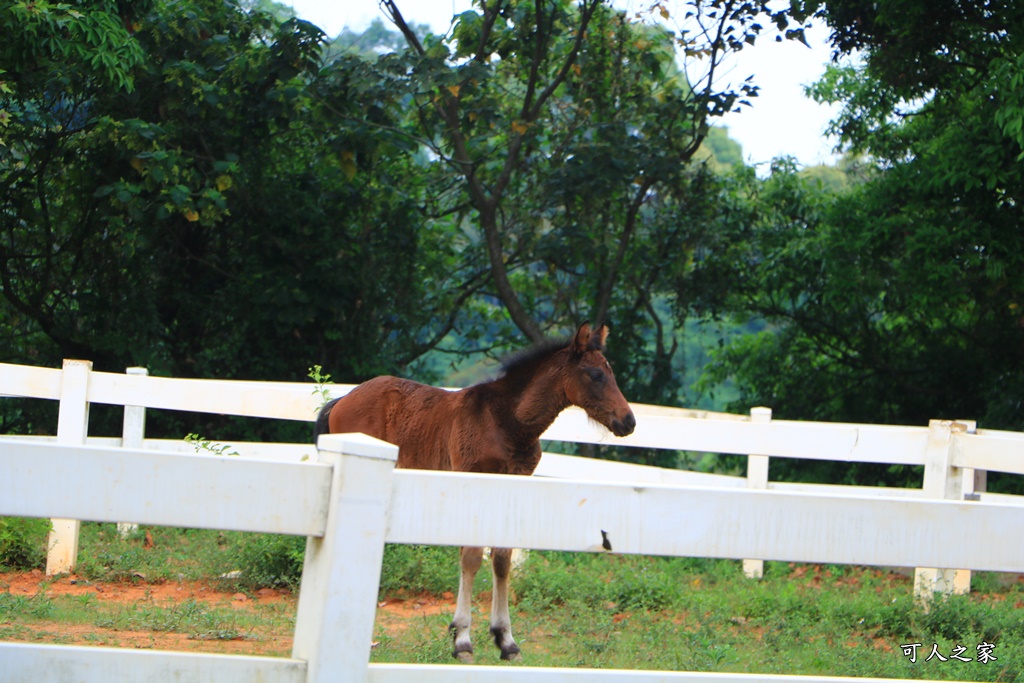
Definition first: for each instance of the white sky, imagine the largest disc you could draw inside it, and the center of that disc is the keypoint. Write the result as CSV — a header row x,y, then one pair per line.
x,y
782,121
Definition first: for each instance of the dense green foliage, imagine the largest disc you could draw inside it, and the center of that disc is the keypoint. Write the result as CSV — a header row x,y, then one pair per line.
x,y
192,223
898,299
228,198
215,189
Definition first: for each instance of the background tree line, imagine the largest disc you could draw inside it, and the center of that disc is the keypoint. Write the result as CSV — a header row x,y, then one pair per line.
x,y
217,189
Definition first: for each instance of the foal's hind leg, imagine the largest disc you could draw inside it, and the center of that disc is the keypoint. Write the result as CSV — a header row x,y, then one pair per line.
x,y
469,561
501,624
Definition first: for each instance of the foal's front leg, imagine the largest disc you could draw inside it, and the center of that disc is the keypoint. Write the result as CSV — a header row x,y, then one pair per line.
x,y
469,563
501,623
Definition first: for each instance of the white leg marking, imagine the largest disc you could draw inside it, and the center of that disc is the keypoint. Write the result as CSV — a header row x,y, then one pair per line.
x,y
469,563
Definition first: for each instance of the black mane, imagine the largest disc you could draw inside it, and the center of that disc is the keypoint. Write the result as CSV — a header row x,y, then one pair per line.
x,y
528,357
521,360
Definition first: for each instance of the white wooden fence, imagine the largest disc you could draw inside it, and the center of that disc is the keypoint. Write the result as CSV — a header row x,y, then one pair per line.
x,y
955,454
349,501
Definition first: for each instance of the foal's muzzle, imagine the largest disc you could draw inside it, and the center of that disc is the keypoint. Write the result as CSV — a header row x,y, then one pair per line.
x,y
625,426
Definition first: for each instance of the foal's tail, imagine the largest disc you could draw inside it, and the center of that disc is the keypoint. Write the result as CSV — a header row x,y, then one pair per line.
x,y
322,425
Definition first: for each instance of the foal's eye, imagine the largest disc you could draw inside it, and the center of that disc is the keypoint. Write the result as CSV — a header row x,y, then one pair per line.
x,y
595,374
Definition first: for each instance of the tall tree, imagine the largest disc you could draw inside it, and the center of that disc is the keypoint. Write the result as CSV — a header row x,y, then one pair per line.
x,y
569,134
207,221
900,300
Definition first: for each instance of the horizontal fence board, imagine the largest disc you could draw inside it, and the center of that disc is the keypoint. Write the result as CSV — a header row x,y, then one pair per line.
x,y
438,508
454,673
196,491
24,380
552,465
256,450
71,664
1001,498
559,466
101,441
780,438
642,409
279,400
846,490
658,426
990,450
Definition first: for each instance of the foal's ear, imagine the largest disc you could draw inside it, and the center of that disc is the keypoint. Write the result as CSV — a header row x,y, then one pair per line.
x,y
589,340
581,342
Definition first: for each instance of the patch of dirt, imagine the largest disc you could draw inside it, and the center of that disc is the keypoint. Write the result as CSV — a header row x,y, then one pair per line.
x,y
398,614
394,615
79,634
108,596
35,582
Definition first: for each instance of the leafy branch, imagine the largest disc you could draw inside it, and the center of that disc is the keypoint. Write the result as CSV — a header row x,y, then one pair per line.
x,y
203,445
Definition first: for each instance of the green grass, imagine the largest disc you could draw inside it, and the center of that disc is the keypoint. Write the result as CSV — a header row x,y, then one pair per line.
x,y
190,554
703,615
194,619
573,610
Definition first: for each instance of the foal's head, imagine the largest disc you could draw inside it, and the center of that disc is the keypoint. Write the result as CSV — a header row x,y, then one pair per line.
x,y
590,383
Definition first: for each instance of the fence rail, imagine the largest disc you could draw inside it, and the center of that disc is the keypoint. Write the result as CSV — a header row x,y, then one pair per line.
x,y
955,454
353,501
113,484
347,499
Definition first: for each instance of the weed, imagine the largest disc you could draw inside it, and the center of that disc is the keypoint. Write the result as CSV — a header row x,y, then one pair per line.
x,y
14,632
220,634
117,562
956,616
146,617
159,554
268,559
547,581
892,618
23,542
207,446
85,599
12,606
420,568
322,382
645,589
15,607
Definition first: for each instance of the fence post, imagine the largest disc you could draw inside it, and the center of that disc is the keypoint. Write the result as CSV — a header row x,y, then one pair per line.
x,y
942,481
72,428
132,435
757,478
974,484
341,573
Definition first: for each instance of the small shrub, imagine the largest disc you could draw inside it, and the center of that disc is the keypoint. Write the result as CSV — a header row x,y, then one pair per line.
x,y
956,617
12,606
269,560
644,589
550,579
758,601
421,569
23,542
894,619
119,560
